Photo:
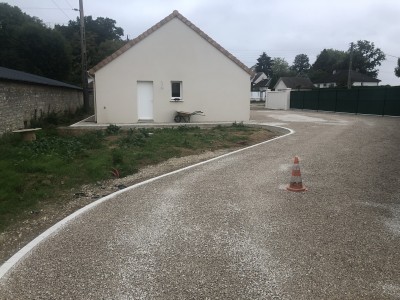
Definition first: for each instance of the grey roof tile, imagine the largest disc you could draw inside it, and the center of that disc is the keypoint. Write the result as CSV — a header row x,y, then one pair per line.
x,y
298,82
341,75
14,75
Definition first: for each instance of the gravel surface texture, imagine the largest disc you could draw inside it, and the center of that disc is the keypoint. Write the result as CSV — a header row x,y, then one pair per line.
x,y
20,234
228,229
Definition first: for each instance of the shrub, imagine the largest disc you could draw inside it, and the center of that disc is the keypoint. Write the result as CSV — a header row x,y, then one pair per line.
x,y
113,129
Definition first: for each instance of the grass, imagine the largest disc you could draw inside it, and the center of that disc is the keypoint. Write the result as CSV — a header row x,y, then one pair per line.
x,y
55,163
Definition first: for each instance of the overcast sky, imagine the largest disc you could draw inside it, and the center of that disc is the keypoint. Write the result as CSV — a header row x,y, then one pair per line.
x,y
246,28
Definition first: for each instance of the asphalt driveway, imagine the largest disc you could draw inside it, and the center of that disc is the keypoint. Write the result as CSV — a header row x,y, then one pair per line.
x,y
228,229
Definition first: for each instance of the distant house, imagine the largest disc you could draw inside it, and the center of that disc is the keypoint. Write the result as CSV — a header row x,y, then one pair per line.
x,y
339,78
25,96
259,86
257,77
173,66
294,83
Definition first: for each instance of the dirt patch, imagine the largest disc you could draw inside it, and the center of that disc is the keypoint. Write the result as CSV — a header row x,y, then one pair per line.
x,y
35,222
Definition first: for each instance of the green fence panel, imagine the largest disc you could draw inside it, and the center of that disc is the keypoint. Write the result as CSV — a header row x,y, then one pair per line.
x,y
296,99
364,100
327,100
392,102
347,101
371,101
311,100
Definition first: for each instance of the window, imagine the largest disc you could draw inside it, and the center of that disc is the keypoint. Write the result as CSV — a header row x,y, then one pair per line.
x,y
176,90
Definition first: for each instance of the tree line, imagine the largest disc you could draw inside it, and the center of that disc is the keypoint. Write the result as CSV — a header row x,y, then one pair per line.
x,y
364,55
29,45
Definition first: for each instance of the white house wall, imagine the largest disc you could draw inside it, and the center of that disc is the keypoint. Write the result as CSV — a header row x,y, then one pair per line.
x,y
211,82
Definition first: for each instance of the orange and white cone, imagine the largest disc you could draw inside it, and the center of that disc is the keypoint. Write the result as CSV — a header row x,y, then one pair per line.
x,y
296,184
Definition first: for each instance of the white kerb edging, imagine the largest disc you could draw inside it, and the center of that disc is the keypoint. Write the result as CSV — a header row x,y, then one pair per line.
x,y
56,227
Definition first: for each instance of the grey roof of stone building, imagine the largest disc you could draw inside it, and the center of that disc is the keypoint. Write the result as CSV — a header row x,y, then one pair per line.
x,y
14,75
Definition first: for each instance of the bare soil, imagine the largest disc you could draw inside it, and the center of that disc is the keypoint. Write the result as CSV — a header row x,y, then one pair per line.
x,y
35,222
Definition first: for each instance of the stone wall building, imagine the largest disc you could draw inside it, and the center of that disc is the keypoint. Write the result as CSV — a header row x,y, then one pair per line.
x,y
24,97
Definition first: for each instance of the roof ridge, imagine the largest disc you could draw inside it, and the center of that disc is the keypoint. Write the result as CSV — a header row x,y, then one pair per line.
x,y
174,14
343,74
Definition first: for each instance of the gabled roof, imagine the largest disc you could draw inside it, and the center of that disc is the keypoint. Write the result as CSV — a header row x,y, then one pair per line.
x,y
296,82
177,15
256,76
342,75
14,75
262,83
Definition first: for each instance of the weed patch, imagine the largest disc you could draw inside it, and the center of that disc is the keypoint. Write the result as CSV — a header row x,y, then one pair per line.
x,y
51,118
47,169
112,129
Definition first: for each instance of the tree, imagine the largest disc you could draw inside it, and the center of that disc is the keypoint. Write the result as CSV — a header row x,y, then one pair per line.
x,y
43,52
31,46
105,49
301,64
397,69
103,38
366,58
327,61
280,68
264,64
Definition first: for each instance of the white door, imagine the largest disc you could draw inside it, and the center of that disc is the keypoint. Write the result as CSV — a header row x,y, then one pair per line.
x,y
145,100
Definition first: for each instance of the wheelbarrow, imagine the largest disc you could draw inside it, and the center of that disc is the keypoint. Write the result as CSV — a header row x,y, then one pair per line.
x,y
183,116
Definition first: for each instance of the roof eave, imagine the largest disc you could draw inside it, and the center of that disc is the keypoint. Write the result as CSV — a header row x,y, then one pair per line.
x,y
174,14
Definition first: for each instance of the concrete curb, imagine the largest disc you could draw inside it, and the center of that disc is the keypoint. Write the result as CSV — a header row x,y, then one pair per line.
x,y
17,257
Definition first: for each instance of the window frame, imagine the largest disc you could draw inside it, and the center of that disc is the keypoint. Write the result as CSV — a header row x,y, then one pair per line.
x,y
179,98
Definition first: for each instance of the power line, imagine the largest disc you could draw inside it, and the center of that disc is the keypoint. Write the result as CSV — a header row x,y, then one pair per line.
x,y
61,10
24,7
69,4
392,55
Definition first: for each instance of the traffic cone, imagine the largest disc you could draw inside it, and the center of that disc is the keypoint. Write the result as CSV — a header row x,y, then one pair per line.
x,y
296,184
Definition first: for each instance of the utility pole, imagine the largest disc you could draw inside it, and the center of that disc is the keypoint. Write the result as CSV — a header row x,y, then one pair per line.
x,y
84,59
350,66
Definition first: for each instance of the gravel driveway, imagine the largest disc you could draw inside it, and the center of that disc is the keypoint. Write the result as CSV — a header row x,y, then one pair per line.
x,y
228,229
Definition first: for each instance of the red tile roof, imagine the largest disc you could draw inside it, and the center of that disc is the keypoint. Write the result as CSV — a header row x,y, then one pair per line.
x,y
177,15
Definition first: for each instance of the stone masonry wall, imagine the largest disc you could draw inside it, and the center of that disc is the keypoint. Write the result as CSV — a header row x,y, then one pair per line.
x,y
20,101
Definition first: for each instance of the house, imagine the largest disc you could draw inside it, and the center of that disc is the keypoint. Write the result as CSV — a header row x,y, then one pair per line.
x,y
259,86
173,66
25,96
339,78
258,77
294,83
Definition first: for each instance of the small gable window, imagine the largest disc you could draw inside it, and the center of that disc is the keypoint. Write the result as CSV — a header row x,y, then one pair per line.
x,y
176,90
